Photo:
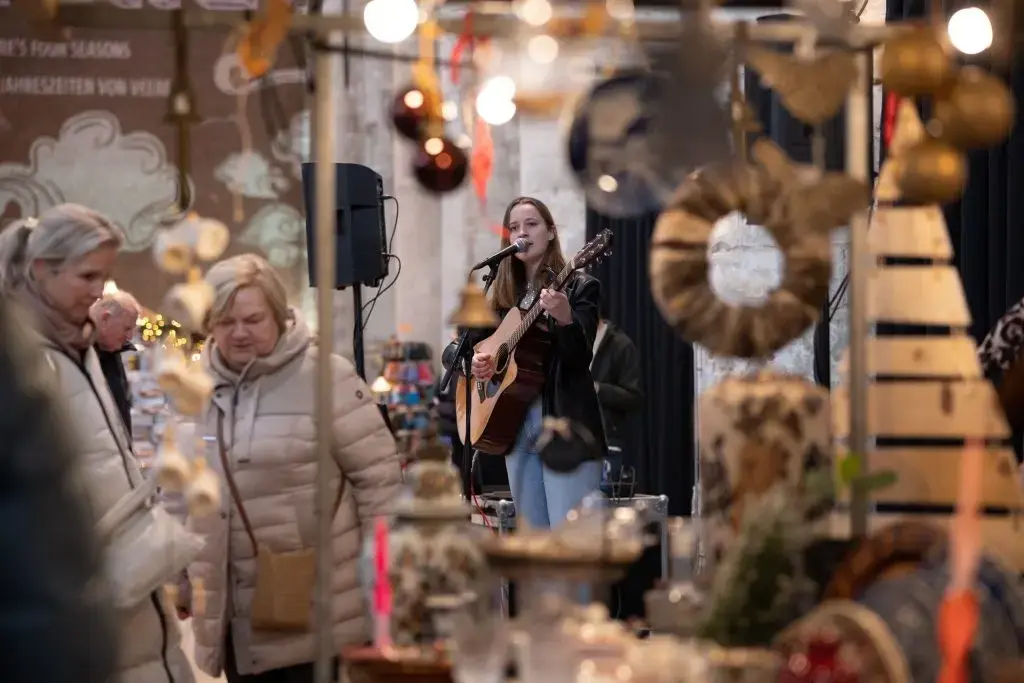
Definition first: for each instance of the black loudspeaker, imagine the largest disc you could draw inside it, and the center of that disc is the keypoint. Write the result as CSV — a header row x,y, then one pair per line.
x,y
361,248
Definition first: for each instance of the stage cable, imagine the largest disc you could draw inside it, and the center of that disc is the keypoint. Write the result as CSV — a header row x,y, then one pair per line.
x,y
371,304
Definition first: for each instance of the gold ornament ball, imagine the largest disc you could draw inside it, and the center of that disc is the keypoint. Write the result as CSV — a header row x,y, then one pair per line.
x,y
978,112
932,172
916,63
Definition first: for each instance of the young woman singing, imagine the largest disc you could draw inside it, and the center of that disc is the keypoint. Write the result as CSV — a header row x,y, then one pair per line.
x,y
542,496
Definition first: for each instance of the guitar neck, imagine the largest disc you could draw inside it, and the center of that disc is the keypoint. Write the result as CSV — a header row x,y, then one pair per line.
x,y
531,316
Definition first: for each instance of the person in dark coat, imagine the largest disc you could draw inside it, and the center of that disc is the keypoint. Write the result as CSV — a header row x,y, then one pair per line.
x,y
543,496
115,317
616,371
56,623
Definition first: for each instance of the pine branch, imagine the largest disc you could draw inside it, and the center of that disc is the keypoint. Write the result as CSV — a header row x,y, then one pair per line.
x,y
760,585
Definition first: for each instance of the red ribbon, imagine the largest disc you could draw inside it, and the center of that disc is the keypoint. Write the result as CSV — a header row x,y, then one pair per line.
x,y
889,110
466,40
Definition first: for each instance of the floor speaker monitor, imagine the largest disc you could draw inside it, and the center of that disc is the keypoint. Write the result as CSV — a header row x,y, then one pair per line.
x,y
361,246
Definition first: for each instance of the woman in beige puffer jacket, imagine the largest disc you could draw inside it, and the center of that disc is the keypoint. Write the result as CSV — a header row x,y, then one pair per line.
x,y
55,267
263,362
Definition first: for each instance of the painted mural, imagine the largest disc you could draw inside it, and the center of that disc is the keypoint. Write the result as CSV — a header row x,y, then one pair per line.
x,y
82,119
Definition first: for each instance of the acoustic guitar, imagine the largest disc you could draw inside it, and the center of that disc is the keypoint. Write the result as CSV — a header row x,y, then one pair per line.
x,y
520,352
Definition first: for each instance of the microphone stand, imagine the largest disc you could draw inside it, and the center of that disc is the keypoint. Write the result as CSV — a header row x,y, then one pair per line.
x,y
464,357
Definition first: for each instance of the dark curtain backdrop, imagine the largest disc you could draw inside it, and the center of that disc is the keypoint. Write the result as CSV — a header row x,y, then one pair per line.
x,y
987,224
663,434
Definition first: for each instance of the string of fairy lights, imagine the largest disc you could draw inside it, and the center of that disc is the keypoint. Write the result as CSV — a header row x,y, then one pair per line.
x,y
155,329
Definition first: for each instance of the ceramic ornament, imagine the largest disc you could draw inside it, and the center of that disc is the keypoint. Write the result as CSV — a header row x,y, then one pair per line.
x,y
188,303
187,386
169,366
174,470
756,432
203,492
812,90
194,238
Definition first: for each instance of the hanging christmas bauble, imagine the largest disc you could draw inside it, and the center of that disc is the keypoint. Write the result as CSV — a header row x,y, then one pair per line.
x,y
978,112
440,165
932,172
609,148
915,62
410,112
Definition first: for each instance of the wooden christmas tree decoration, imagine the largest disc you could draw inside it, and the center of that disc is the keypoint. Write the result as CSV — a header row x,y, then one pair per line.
x,y
926,393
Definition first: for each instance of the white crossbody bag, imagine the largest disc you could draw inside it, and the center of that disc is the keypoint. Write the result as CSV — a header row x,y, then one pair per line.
x,y
146,547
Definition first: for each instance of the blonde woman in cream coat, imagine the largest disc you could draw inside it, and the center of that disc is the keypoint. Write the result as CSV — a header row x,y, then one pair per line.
x,y
263,361
55,268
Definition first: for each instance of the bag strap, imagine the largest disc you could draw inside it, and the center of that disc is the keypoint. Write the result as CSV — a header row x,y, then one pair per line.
x,y
231,481
233,487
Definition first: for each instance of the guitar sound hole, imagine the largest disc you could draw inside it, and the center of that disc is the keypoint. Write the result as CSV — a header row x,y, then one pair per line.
x,y
501,357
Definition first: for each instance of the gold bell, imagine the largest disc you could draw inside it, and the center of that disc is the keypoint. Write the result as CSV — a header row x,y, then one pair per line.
x,y
932,172
915,62
474,310
979,111
430,447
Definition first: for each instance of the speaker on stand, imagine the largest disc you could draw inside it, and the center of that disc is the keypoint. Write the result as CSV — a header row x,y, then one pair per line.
x,y
361,256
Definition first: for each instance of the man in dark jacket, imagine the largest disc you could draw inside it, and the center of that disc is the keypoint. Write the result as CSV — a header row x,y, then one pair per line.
x,y
115,317
616,372
56,623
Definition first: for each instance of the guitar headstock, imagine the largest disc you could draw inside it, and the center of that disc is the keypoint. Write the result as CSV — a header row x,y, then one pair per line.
x,y
594,251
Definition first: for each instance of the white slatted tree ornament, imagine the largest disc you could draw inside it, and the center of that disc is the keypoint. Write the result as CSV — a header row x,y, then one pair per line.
x,y
933,391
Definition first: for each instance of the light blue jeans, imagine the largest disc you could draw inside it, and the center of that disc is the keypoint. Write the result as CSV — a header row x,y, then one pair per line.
x,y
541,496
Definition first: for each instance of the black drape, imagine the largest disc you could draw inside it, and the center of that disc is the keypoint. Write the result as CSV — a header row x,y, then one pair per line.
x,y
663,444
987,224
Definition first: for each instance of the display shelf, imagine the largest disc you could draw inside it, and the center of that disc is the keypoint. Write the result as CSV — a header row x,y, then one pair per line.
x,y
406,388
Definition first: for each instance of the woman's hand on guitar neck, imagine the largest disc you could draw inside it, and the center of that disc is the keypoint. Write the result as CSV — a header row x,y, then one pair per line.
x,y
482,366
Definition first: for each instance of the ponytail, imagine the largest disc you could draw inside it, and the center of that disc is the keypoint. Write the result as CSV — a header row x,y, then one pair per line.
x,y
13,247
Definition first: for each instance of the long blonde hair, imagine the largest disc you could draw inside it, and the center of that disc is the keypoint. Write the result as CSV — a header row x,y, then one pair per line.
x,y
511,279
60,235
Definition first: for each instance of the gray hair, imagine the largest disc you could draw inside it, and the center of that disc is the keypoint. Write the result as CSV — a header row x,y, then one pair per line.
x,y
118,302
246,270
60,235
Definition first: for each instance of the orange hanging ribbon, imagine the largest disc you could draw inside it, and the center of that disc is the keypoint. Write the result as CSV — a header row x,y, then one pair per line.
x,y
482,159
958,622
958,613
466,40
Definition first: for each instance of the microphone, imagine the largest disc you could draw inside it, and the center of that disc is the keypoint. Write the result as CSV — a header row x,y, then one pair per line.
x,y
494,259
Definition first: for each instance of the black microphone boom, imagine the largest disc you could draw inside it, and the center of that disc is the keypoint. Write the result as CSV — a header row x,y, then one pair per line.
x,y
494,259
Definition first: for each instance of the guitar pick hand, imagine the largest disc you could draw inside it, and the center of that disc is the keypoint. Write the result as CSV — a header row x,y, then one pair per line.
x,y
482,366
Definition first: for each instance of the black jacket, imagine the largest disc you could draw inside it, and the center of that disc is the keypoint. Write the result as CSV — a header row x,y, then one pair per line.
x,y
55,621
117,379
616,369
569,391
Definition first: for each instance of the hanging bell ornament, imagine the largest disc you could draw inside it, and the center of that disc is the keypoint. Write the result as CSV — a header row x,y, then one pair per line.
x,y
915,63
932,172
410,112
978,112
474,311
440,165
